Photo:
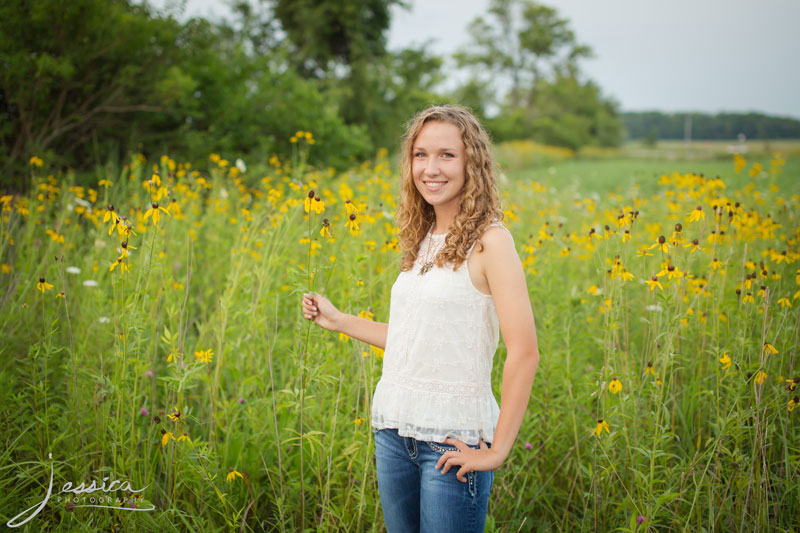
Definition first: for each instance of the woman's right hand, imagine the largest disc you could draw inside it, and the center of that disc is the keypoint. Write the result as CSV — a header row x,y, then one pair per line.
x,y
319,309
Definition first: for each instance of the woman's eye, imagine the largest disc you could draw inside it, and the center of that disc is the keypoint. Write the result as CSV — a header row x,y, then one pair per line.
x,y
419,154
448,154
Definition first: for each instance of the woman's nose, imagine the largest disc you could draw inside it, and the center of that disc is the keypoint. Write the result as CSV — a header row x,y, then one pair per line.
x,y
432,166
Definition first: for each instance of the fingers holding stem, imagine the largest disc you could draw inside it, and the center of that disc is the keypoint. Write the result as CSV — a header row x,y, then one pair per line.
x,y
310,310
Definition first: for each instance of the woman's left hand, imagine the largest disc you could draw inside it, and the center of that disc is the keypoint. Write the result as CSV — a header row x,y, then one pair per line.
x,y
468,459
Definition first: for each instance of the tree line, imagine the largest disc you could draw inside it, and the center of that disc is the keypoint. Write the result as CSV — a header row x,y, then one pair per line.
x,y
653,125
85,82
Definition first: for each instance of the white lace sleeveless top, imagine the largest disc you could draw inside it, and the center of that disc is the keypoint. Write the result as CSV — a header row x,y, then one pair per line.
x,y
437,365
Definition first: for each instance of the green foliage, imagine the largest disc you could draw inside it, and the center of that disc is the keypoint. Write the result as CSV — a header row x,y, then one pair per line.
x,y
686,445
567,112
334,31
531,48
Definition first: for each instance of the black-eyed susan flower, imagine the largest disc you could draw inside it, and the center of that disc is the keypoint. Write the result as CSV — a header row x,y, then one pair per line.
x,y
166,437
649,369
653,283
716,264
124,248
111,216
694,246
697,214
124,266
748,298
760,378
359,420
661,244
770,349
615,386
175,415
155,211
350,207
352,225
784,302
725,360
791,384
184,437
600,427
308,203
43,285
326,229
232,474
793,403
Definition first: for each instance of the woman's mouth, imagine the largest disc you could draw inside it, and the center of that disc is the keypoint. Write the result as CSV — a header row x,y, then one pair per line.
x,y
434,185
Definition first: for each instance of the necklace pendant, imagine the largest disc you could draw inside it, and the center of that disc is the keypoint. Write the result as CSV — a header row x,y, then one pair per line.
x,y
425,268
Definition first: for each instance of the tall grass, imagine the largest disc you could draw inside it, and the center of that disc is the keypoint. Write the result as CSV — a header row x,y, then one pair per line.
x,y
206,326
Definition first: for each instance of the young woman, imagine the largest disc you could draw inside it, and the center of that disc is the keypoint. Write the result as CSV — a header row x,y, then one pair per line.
x,y
439,432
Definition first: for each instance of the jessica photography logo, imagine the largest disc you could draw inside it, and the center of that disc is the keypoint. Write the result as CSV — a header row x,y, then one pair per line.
x,y
84,495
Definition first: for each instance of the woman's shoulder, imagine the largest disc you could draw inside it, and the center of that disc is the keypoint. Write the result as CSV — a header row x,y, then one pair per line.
x,y
496,237
497,231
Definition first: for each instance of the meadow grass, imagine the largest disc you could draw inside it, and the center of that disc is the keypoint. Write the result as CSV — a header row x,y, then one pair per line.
x,y
188,368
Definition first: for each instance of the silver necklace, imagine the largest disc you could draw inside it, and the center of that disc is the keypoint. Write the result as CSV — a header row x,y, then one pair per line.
x,y
428,262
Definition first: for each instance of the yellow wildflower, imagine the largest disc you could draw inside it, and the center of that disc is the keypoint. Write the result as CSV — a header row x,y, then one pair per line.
x,y
204,356
761,377
792,403
175,415
653,283
770,349
352,225
697,214
155,211
43,285
601,425
615,386
726,361
232,475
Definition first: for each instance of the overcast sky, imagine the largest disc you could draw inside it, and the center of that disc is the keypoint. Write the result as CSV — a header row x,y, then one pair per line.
x,y
676,55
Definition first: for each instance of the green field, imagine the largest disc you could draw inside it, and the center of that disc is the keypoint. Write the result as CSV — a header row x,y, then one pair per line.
x,y
270,425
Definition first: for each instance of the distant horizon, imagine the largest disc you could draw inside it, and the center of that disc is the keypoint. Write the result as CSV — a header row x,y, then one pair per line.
x,y
696,112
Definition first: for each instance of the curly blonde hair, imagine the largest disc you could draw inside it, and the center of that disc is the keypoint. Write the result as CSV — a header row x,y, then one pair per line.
x,y
480,203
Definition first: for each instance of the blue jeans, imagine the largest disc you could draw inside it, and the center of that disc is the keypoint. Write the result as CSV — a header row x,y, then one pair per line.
x,y
417,497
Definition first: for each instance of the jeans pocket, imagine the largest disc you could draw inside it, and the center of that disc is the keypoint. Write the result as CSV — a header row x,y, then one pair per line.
x,y
441,448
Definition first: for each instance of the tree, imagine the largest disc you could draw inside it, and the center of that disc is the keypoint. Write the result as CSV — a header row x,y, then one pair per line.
x,y
330,32
526,41
73,69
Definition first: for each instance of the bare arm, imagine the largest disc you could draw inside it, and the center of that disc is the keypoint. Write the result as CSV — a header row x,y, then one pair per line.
x,y
318,308
506,277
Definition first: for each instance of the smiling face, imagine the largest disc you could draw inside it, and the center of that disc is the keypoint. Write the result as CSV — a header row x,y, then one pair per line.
x,y
438,167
